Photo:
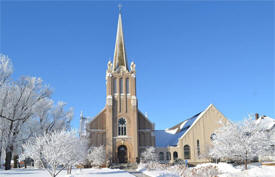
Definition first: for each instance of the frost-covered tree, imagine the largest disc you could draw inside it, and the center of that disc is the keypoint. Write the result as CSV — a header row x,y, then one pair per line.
x,y
57,149
149,155
49,118
17,103
240,141
97,155
26,110
77,154
3,136
6,70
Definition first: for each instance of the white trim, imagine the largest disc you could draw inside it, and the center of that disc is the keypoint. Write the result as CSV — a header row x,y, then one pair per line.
x,y
108,74
197,119
95,130
109,100
121,137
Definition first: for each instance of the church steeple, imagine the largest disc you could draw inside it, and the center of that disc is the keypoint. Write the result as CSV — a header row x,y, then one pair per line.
x,y
120,58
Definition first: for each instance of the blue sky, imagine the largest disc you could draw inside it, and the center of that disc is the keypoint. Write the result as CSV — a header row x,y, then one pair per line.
x,y
187,54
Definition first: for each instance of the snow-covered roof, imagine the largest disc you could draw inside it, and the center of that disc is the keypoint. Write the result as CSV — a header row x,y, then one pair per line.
x,y
170,137
265,122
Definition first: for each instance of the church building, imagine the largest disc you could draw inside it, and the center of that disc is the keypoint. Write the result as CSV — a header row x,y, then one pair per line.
x,y
126,132
121,127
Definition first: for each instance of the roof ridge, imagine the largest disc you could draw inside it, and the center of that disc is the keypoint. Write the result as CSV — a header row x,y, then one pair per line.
x,y
175,126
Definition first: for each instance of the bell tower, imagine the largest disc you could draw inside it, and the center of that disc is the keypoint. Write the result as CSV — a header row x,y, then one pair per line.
x,y
121,127
121,105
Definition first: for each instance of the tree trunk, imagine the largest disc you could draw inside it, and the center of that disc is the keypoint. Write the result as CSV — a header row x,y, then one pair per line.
x,y
15,160
1,144
0,156
245,164
69,170
8,160
8,157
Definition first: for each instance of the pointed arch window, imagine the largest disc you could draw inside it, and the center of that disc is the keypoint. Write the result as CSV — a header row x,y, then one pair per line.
x,y
121,85
114,85
198,148
121,127
127,86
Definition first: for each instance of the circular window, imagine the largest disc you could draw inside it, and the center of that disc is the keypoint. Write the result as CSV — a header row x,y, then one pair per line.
x,y
122,121
213,136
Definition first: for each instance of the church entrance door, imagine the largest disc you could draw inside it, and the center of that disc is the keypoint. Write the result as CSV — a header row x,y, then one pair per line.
x,y
122,154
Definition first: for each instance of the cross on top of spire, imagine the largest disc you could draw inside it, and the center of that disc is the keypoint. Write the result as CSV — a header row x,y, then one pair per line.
x,y
119,7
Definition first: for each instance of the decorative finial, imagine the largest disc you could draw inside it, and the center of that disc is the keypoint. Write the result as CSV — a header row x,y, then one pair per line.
x,y
109,66
119,7
133,66
81,114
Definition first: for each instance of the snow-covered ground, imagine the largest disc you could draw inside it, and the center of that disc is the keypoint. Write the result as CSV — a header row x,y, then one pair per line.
x,y
225,170
157,173
160,173
254,170
104,172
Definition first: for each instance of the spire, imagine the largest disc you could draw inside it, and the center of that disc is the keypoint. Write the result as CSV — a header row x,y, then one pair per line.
x,y
120,59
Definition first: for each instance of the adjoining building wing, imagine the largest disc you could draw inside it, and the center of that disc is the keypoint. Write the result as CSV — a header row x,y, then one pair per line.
x,y
170,137
267,124
191,138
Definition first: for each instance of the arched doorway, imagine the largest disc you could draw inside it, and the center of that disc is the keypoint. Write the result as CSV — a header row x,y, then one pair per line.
x,y
122,154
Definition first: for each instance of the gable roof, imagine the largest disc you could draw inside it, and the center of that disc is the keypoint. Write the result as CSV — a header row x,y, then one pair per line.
x,y
170,137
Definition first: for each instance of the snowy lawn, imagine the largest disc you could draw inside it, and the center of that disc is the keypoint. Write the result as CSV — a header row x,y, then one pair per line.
x,y
104,172
225,170
160,173
254,170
